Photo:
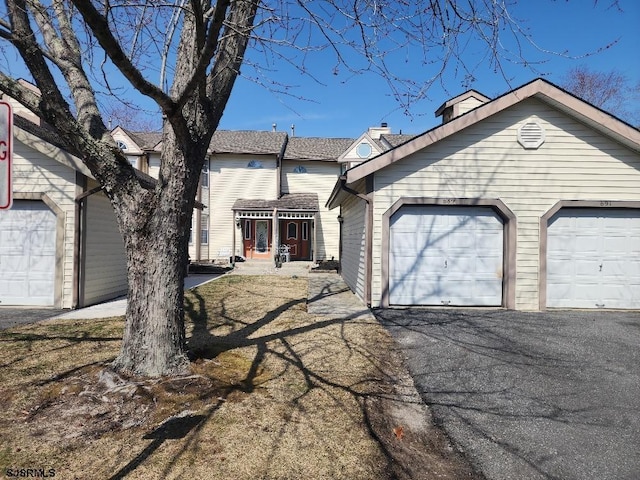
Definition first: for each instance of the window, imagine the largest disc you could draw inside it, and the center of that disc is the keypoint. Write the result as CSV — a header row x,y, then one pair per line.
x,y
305,230
204,229
247,229
121,145
191,232
255,164
292,230
204,176
299,169
364,150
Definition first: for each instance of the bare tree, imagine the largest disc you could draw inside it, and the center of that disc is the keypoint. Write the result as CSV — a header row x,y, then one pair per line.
x,y
609,90
79,51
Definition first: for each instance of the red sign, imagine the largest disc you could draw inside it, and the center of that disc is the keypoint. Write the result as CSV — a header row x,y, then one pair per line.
x,y
6,139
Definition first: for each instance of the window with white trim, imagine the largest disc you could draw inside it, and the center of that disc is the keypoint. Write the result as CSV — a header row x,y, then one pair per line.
x,y
255,164
204,176
204,229
300,169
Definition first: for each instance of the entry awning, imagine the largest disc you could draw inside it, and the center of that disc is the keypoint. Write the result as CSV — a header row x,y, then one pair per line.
x,y
292,205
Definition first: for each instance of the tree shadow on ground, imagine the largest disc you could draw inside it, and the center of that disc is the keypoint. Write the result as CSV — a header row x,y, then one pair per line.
x,y
385,394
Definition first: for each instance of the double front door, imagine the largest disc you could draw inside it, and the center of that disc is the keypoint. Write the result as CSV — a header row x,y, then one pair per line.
x,y
295,234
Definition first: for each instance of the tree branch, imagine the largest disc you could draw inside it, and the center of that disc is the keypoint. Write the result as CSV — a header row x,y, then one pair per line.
x,y
99,26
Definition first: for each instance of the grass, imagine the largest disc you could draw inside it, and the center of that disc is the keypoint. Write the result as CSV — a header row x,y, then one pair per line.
x,y
274,393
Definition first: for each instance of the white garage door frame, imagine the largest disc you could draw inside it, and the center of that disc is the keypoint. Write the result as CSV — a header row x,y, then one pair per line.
x,y
509,244
544,232
59,233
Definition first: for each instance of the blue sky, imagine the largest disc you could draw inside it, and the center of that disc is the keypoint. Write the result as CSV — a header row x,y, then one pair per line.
x,y
344,107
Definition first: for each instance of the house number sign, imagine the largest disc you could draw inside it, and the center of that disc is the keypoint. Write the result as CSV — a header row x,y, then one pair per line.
x,y
6,138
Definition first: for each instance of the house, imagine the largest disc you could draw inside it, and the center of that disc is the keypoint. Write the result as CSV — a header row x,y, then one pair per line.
x,y
528,201
59,242
263,192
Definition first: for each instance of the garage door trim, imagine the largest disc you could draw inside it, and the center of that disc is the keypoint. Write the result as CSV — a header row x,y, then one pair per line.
x,y
60,219
544,230
510,229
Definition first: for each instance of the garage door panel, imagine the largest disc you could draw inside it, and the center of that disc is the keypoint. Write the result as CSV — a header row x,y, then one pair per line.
x,y
445,256
593,259
27,254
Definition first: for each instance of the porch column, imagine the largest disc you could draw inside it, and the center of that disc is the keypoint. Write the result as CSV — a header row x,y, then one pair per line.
x,y
276,226
233,240
315,238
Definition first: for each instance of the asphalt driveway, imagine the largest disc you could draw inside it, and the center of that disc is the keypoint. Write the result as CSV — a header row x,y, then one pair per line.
x,y
530,395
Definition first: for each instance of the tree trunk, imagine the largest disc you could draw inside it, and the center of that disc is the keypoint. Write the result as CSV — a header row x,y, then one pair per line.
x,y
156,235
154,338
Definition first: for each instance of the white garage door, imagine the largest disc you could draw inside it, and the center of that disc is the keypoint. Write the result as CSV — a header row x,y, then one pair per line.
x,y
593,259
445,256
27,254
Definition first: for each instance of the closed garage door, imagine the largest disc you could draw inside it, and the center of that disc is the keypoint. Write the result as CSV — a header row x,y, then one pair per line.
x,y
446,256
593,259
27,254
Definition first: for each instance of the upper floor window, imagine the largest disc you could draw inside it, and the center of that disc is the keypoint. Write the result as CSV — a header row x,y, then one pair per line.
x,y
204,176
300,169
255,164
121,145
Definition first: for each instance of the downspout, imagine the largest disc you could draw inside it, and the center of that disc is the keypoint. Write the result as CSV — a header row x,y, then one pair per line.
x,y
279,160
78,244
368,239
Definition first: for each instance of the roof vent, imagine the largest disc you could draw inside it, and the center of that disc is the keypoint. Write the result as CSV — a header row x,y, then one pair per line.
x,y
531,135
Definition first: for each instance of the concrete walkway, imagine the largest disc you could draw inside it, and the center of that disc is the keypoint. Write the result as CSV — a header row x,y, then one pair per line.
x,y
329,295
118,306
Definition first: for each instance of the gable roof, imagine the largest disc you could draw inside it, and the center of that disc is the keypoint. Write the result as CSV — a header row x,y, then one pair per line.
x,y
145,140
540,89
316,148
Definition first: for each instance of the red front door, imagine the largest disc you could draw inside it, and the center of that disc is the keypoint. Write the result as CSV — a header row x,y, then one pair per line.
x,y
296,234
256,238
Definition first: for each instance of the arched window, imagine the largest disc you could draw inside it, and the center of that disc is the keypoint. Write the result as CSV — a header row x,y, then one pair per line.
x,y
121,145
300,169
255,164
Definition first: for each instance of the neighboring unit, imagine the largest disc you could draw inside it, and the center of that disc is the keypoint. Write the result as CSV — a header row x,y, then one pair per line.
x,y
528,201
59,242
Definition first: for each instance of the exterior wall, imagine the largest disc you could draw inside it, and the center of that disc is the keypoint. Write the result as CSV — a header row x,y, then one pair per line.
x,y
133,152
105,261
486,161
468,105
320,178
35,175
352,261
229,180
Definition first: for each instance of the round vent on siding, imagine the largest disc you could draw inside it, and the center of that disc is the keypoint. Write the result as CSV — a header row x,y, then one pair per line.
x,y
531,135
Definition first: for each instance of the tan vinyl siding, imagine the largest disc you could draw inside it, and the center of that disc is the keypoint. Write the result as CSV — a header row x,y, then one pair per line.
x,y
319,178
36,174
352,263
486,161
105,268
229,180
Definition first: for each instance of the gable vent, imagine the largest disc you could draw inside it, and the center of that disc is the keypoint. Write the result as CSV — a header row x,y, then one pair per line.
x,y
531,135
